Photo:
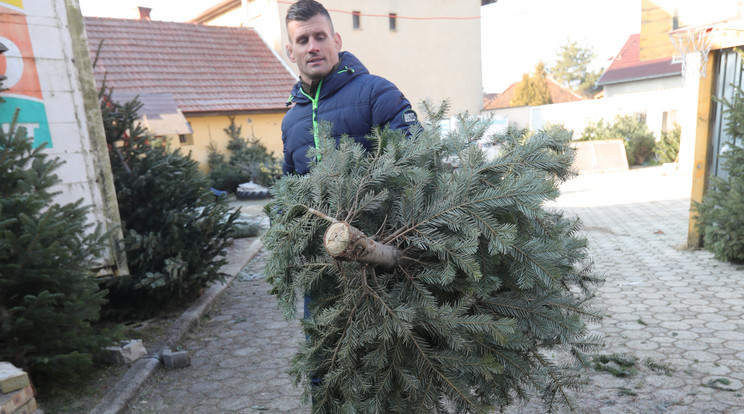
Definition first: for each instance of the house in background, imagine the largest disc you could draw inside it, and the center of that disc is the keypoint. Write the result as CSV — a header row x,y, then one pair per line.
x,y
657,83
558,94
650,89
499,106
429,49
192,79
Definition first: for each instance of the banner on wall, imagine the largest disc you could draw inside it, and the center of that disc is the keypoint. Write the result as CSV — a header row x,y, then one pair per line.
x,y
18,65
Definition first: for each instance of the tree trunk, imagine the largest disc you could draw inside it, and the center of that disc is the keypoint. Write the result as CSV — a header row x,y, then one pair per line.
x,y
343,241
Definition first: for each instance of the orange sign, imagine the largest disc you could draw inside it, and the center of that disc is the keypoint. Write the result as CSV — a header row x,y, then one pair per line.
x,y
18,65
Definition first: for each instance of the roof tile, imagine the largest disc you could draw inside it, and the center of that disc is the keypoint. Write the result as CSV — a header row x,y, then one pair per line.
x,y
558,94
204,68
627,65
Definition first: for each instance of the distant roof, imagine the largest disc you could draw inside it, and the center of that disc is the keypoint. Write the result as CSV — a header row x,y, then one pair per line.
x,y
216,11
159,113
627,66
206,69
558,94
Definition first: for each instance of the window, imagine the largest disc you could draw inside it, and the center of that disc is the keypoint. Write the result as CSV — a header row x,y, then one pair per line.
x,y
186,139
668,120
393,19
355,19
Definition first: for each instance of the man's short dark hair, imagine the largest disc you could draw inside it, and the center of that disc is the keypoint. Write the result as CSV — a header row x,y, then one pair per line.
x,y
304,10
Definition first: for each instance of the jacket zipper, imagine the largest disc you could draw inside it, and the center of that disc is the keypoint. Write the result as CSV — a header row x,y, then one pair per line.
x,y
315,101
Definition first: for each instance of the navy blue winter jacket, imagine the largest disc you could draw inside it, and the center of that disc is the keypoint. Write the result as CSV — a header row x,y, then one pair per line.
x,y
353,100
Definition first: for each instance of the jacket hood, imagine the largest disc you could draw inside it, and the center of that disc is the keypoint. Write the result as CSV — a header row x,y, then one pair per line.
x,y
349,67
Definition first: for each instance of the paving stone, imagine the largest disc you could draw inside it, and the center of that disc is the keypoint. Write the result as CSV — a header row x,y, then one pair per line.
x,y
730,335
689,335
176,359
710,368
642,344
675,325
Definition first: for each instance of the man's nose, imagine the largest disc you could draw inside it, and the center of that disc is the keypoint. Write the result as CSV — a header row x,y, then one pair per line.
x,y
312,45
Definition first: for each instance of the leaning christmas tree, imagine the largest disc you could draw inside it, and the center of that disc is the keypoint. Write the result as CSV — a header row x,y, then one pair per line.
x,y
439,281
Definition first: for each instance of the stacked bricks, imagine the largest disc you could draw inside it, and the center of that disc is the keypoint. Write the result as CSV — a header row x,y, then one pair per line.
x,y
17,394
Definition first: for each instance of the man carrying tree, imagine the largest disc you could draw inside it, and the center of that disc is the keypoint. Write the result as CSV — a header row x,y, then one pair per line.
x,y
334,86
477,293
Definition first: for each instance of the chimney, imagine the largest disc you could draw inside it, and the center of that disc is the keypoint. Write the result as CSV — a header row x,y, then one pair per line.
x,y
144,13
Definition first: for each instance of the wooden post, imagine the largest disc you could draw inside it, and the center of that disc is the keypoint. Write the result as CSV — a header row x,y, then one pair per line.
x,y
701,167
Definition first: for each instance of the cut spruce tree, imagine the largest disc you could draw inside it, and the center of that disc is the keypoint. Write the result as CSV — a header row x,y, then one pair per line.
x,y
438,280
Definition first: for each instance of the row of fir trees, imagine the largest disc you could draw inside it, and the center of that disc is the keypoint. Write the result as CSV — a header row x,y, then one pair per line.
x,y
51,303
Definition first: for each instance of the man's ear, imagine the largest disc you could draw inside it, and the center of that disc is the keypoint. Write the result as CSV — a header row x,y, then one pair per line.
x,y
337,41
290,53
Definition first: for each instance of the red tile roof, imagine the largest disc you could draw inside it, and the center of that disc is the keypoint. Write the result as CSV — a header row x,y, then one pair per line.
x,y
206,69
558,94
627,66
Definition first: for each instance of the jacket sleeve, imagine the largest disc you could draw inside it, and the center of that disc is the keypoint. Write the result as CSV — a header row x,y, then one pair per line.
x,y
390,107
288,164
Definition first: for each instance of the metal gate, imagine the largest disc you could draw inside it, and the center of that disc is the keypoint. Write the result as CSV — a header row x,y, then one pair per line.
x,y
729,76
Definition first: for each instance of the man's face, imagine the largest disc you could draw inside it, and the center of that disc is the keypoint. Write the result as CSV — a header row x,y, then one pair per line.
x,y
313,46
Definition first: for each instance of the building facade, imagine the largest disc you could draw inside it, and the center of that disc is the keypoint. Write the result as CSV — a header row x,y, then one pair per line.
x,y
431,49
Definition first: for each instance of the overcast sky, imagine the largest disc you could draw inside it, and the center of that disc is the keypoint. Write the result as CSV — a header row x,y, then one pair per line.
x,y
516,34
536,29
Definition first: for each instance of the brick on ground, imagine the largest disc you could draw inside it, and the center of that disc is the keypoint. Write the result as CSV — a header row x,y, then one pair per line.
x,y
13,402
12,378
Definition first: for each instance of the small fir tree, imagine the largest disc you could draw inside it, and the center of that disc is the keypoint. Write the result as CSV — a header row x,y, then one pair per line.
x,y
49,298
250,160
439,281
572,67
175,231
222,175
720,216
533,89
667,148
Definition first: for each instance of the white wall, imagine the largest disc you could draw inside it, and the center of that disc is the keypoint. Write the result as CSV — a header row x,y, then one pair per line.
x,y
51,81
578,115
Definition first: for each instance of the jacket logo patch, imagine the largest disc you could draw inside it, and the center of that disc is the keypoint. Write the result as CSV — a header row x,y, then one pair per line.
x,y
409,117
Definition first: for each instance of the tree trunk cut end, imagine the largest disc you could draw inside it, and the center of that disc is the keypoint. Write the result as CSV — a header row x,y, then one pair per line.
x,y
342,241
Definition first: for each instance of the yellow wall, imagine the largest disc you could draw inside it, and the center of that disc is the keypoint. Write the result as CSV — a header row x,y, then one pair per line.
x,y
657,19
265,127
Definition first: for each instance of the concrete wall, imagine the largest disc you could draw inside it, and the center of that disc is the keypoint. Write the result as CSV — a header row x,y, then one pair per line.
x,y
265,127
51,80
427,57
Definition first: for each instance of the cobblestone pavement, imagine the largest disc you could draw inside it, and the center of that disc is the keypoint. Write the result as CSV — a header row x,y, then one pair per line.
x,y
678,312
240,355
675,313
